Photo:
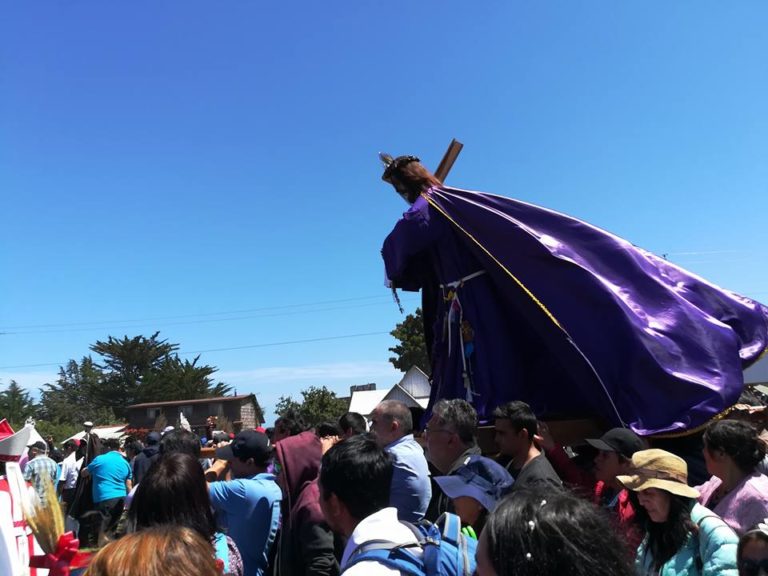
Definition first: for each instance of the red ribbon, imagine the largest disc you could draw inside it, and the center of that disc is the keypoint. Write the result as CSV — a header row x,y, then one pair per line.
x,y
66,557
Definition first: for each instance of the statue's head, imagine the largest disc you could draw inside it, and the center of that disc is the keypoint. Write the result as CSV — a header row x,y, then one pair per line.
x,y
407,175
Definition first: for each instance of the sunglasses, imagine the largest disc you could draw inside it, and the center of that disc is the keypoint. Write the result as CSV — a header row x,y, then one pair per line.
x,y
753,568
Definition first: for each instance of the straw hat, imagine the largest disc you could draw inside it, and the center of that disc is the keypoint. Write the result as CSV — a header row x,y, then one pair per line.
x,y
656,468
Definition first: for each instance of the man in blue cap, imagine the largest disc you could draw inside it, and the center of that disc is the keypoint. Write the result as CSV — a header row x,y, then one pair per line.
x,y
249,504
475,489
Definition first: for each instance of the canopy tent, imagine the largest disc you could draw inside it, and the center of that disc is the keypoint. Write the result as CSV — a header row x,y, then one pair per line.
x,y
115,431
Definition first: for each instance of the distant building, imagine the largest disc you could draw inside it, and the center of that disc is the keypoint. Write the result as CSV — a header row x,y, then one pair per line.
x,y
756,376
413,390
242,412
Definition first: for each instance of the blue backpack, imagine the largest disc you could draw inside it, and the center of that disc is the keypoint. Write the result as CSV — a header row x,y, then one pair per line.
x,y
445,551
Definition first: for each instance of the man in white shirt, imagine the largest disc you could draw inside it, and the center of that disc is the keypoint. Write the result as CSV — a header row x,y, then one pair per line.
x,y
70,469
355,480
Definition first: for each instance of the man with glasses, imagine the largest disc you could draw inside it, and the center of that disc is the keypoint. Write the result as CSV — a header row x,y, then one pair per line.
x,y
451,439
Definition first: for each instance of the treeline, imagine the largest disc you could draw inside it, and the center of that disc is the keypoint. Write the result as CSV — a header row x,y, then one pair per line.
x,y
125,371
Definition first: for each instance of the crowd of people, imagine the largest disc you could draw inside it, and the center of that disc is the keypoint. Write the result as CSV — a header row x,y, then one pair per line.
x,y
358,496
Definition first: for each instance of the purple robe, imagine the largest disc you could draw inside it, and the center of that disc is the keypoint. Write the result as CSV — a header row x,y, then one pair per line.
x,y
568,317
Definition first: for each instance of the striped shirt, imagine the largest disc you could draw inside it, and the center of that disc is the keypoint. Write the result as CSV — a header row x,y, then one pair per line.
x,y
39,468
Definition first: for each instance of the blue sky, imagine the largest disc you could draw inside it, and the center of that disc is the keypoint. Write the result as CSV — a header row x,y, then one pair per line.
x,y
210,171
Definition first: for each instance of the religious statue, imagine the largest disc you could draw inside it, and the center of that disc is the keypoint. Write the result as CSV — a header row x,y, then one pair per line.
x,y
524,303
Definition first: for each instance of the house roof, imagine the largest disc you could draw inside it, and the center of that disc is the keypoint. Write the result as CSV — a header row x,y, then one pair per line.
x,y
397,392
363,402
416,383
197,401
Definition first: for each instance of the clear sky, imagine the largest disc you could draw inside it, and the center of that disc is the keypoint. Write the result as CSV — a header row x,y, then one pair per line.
x,y
209,170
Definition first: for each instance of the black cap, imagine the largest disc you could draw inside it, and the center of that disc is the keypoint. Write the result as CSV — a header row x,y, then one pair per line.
x,y
620,440
247,444
153,438
39,445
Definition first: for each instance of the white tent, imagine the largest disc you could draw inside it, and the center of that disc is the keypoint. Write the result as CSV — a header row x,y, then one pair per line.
x,y
103,432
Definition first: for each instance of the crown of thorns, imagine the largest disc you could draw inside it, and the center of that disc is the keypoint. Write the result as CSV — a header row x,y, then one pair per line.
x,y
391,164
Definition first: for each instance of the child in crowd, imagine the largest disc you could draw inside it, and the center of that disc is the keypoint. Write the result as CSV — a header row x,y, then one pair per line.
x,y
752,553
475,489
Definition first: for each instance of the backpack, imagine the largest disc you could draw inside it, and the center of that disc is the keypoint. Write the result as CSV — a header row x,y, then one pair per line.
x,y
221,547
445,551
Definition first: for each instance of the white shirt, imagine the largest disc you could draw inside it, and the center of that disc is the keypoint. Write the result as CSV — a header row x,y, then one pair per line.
x,y
70,469
382,525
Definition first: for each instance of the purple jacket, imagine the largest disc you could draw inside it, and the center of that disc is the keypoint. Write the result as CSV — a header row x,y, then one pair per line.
x,y
744,506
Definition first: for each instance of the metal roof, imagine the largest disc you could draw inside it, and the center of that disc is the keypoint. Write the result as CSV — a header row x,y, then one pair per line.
x,y
416,383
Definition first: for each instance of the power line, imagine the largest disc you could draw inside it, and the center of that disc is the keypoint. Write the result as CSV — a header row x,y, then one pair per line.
x,y
153,319
286,342
245,347
284,310
200,321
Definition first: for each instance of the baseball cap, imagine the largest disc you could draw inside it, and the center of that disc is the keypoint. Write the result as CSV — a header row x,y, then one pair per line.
x,y
620,440
247,444
88,424
153,438
480,478
40,445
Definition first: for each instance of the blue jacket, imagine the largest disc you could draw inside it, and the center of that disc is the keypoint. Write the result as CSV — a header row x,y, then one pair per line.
x,y
710,553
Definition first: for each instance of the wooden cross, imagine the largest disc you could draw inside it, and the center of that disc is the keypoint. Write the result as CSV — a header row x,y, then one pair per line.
x,y
448,159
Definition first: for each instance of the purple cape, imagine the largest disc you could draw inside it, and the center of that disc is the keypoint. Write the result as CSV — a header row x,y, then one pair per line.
x,y
523,303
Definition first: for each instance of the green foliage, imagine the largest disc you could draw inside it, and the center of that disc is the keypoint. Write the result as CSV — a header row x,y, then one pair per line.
x,y
126,362
76,396
131,371
179,380
318,405
16,405
412,349
286,403
143,369
60,432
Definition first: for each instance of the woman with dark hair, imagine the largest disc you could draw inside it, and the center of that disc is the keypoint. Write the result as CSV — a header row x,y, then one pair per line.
x,y
752,554
542,532
82,507
737,491
174,491
681,536
290,423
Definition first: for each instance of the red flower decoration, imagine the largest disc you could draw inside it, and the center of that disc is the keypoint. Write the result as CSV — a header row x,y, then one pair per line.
x,y
66,557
